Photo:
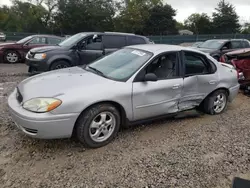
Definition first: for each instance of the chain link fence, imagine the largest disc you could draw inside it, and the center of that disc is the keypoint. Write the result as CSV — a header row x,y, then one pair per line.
x,y
166,39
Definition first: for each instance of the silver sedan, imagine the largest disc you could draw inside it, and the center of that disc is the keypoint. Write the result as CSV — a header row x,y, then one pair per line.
x,y
133,84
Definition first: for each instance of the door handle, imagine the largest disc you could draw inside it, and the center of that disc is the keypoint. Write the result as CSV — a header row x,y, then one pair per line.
x,y
176,86
212,82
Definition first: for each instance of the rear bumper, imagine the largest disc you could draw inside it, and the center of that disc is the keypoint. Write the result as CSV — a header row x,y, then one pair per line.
x,y
43,125
233,91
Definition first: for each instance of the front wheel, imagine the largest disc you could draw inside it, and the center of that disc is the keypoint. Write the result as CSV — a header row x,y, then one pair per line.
x,y
216,103
59,65
98,125
11,57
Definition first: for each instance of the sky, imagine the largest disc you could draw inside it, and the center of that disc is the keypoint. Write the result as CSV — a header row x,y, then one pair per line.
x,y
186,7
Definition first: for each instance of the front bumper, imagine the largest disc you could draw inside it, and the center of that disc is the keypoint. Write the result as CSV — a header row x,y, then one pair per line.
x,y
41,125
233,91
36,65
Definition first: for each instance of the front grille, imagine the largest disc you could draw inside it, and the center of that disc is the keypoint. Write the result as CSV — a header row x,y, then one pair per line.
x,y
19,96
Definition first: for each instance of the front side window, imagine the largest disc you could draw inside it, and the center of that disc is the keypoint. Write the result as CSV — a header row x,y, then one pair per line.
x,y
122,64
53,40
195,64
164,67
38,40
93,42
236,44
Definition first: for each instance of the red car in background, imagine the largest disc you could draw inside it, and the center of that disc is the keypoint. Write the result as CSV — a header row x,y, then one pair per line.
x,y
240,59
15,52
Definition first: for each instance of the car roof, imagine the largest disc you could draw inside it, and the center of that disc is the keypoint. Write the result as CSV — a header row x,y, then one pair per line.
x,y
46,36
226,40
160,48
112,33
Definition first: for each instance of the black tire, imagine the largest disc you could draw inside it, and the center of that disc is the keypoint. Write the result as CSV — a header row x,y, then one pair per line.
x,y
13,52
85,120
208,104
59,65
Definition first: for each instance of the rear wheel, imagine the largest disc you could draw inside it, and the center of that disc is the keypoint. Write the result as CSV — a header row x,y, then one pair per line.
x,y
216,103
11,57
98,125
59,65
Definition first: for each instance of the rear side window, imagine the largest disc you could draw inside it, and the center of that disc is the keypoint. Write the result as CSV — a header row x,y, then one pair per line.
x,y
196,64
53,40
245,44
110,41
133,40
236,44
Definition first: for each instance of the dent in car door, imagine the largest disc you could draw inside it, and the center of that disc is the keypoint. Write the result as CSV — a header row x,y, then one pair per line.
x,y
156,98
198,80
190,96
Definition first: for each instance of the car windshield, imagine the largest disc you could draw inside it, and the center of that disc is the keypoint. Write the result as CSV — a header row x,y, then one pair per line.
x,y
212,44
24,40
120,65
72,40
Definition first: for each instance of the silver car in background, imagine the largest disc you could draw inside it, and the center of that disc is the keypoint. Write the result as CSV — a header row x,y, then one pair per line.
x,y
133,84
2,37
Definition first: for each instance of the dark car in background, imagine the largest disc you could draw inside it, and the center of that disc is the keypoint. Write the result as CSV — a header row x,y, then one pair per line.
x,y
240,59
217,47
79,49
16,51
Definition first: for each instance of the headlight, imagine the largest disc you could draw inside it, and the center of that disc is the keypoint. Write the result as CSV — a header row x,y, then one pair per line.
x,y
41,105
40,56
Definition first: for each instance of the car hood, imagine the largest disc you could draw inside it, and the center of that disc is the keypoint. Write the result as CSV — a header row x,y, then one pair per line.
x,y
7,44
206,50
59,82
46,49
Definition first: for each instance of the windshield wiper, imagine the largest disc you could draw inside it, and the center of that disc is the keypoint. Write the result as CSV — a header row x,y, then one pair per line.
x,y
97,71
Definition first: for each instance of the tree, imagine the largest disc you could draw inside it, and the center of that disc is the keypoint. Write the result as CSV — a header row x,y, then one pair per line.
x,y
199,23
85,15
161,20
246,28
225,18
180,26
133,17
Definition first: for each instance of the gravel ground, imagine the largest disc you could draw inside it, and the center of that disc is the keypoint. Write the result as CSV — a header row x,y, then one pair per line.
x,y
193,150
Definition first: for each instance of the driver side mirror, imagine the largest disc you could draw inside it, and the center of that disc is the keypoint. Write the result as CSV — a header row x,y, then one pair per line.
x,y
150,77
